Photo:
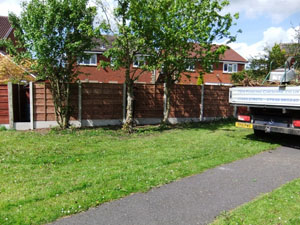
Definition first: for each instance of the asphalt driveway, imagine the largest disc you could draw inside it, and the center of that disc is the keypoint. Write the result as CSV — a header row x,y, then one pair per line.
x,y
198,199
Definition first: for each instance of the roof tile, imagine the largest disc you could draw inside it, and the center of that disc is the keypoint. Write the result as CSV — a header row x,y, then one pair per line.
x,y
231,55
4,26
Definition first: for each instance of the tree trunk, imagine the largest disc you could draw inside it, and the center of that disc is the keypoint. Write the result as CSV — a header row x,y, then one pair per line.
x,y
61,99
167,92
128,125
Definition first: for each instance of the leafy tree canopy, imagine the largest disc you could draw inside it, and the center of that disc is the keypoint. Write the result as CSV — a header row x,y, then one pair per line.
x,y
261,64
55,33
180,34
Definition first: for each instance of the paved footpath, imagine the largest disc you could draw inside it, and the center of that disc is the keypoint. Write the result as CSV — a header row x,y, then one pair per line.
x,y
198,199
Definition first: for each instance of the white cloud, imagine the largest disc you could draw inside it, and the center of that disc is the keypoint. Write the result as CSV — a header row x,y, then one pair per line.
x,y
7,6
277,10
271,36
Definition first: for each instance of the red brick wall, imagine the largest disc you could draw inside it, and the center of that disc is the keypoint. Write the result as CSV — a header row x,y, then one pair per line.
x,y
185,101
95,74
4,112
149,101
102,101
217,75
108,75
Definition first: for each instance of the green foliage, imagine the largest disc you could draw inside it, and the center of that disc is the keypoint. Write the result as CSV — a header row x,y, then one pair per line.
x,y
200,79
238,76
180,33
3,128
127,46
55,33
44,176
246,78
277,56
175,31
171,35
261,64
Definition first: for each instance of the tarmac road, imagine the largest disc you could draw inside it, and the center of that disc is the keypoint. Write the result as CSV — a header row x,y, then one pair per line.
x,y
198,199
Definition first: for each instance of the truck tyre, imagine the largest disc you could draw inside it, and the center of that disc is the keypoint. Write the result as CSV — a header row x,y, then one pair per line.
x,y
259,133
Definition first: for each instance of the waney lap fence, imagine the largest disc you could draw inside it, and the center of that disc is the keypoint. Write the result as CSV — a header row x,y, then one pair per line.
x,y
98,104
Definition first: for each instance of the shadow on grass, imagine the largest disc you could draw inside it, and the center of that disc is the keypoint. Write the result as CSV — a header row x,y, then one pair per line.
x,y
286,140
208,125
150,129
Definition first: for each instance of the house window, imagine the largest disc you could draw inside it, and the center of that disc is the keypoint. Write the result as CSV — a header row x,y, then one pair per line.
x,y
138,61
112,61
229,67
91,60
191,66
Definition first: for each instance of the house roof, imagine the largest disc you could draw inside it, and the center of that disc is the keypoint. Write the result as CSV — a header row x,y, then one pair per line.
x,y
104,45
229,55
5,27
232,56
2,53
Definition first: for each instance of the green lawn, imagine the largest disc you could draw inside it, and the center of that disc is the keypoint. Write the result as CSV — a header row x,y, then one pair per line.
x,y
44,176
281,206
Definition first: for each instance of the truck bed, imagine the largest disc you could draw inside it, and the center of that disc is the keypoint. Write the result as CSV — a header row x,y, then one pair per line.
x,y
279,96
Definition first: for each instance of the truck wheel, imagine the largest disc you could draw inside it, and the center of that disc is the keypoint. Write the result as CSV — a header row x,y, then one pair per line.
x,y
259,133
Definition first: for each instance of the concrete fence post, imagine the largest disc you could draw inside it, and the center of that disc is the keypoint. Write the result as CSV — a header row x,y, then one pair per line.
x,y
10,105
31,105
124,101
202,103
80,104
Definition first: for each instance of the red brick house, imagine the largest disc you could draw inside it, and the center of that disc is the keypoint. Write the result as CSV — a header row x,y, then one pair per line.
x,y
229,63
100,75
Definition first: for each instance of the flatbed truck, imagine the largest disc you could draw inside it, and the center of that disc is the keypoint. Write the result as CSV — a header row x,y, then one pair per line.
x,y
270,109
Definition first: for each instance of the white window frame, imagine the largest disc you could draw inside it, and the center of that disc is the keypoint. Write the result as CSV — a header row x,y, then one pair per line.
x,y
112,61
90,62
191,67
233,66
211,69
139,60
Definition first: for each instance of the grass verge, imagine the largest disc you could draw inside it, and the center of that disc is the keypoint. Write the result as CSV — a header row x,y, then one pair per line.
x,y
282,206
44,176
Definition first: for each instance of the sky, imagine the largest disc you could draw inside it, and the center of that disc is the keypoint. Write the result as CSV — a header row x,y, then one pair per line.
x,y
263,22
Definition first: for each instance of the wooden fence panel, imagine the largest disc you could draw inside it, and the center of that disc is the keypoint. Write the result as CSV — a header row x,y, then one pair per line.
x,y
105,101
185,101
102,101
44,109
149,101
216,101
4,112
